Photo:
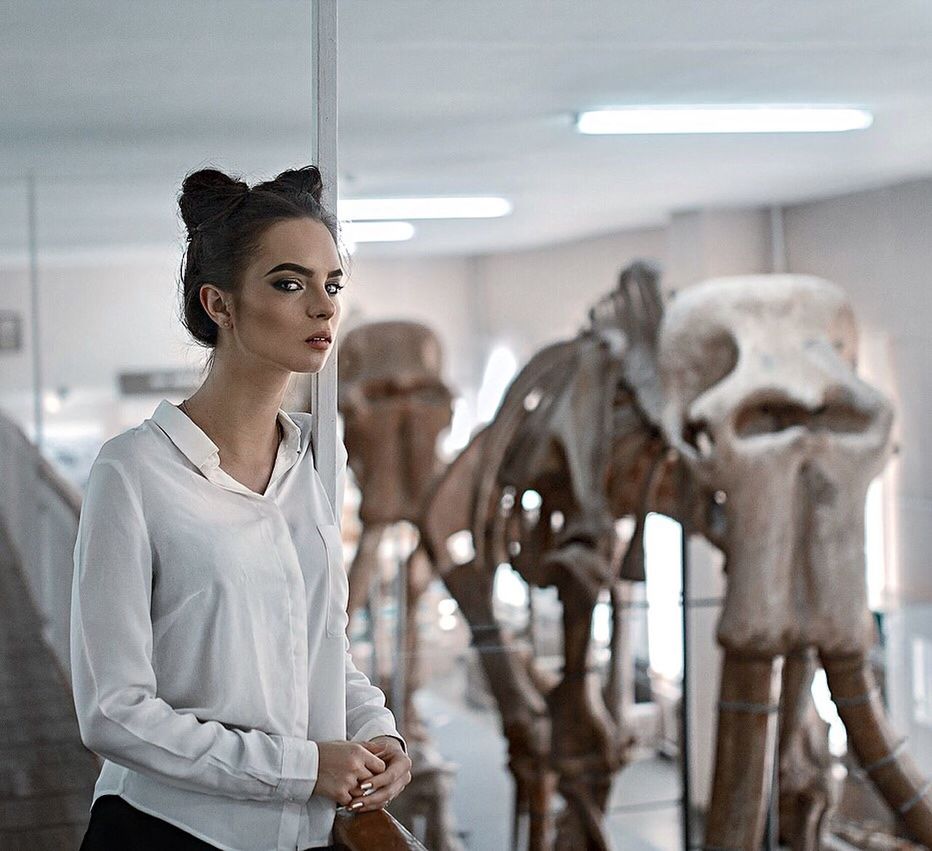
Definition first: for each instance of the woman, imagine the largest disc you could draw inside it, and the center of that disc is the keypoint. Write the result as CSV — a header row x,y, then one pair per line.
x,y
210,663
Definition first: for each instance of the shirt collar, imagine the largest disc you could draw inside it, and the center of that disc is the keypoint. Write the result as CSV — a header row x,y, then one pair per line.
x,y
200,449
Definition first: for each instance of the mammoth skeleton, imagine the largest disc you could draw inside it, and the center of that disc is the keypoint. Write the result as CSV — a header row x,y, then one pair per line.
x,y
740,413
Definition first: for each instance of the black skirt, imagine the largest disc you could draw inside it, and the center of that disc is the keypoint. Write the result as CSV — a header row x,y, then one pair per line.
x,y
116,825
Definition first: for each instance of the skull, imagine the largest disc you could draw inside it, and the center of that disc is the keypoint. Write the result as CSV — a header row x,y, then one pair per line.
x,y
762,400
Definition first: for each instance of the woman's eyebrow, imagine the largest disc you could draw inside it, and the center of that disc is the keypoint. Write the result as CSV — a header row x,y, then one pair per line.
x,y
294,267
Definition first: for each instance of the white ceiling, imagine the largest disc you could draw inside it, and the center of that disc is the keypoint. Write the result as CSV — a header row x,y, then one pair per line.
x,y
110,103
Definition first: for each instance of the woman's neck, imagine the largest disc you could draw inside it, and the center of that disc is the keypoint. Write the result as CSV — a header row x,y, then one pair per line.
x,y
242,421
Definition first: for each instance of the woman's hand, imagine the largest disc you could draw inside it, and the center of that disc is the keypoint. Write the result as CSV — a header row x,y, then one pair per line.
x,y
342,766
385,786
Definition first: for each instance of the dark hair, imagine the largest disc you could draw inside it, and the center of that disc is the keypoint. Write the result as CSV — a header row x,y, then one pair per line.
x,y
225,220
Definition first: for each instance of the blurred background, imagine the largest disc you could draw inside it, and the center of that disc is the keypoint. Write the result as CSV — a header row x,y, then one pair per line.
x,y
107,105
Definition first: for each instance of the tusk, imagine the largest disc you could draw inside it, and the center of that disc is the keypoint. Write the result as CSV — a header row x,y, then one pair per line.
x,y
880,754
745,751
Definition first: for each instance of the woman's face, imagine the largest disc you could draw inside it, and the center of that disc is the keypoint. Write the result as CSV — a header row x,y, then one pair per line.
x,y
290,292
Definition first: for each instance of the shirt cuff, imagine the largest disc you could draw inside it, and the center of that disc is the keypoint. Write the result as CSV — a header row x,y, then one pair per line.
x,y
404,744
378,728
300,762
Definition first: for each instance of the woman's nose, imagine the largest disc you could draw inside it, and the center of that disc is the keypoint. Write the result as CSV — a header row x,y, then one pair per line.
x,y
322,307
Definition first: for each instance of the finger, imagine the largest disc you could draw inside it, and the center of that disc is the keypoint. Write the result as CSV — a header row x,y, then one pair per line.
x,y
387,789
363,786
388,755
372,762
381,747
398,769
369,784
378,799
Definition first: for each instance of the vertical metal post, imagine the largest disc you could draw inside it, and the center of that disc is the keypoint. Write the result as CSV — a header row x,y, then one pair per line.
x,y
772,830
477,303
401,631
324,85
685,760
778,260
778,264
38,413
375,626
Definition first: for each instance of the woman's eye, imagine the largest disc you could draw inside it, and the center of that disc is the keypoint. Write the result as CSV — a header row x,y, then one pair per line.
x,y
288,281
337,286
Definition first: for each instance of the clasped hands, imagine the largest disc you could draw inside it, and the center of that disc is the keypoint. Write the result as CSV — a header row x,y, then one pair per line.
x,y
362,776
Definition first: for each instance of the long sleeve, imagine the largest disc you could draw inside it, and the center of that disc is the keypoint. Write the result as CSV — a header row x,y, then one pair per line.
x,y
119,713
366,713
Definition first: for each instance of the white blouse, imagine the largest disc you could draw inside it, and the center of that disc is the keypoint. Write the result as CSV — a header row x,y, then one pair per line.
x,y
208,635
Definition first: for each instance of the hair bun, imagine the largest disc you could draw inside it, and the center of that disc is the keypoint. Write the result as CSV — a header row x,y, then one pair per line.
x,y
296,181
208,194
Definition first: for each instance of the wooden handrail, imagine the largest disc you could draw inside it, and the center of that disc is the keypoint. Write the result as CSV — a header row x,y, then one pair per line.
x,y
378,830
373,831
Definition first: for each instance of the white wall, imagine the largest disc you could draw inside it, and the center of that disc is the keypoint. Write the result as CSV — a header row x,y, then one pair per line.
x,y
530,298
521,299
100,313
434,291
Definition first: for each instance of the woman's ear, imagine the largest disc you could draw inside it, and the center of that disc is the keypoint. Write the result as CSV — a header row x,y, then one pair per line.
x,y
215,304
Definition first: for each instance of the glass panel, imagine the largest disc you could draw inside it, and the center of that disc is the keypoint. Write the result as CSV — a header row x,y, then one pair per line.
x,y
109,134
488,107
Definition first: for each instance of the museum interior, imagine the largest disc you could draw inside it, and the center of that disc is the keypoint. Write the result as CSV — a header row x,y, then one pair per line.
x,y
633,365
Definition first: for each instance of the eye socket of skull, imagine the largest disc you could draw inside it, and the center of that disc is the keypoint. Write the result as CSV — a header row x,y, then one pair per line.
x,y
839,414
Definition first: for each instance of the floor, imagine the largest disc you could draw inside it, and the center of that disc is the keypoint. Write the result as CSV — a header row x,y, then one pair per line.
x,y
46,774
643,811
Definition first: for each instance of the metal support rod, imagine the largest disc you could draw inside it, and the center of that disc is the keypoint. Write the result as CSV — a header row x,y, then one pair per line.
x,y
778,260
779,264
375,624
401,632
32,214
685,762
324,108
772,829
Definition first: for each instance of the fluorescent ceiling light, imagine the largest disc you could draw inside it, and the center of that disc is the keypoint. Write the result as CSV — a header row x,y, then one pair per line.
x,y
724,119
377,231
423,208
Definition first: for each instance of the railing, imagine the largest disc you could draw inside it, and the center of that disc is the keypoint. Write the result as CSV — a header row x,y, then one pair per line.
x,y
374,831
39,512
